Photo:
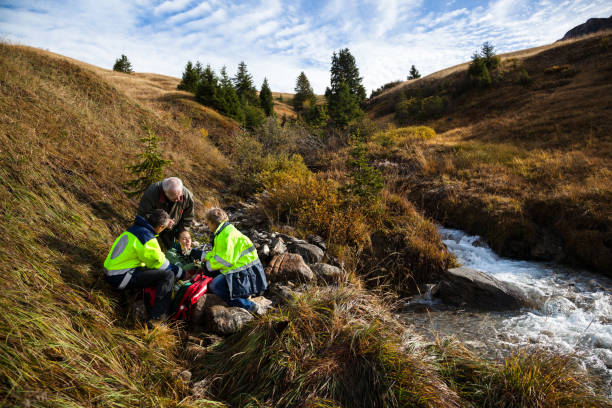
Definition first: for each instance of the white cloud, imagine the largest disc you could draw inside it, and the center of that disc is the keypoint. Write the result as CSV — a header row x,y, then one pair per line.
x,y
278,39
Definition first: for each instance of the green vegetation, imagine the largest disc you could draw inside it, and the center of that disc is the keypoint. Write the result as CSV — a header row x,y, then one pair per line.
x,y
122,64
414,73
304,98
150,169
346,94
265,98
481,66
389,85
418,109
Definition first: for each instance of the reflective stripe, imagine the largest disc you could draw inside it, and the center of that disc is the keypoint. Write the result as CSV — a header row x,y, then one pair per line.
x,y
208,266
121,245
223,261
242,267
117,271
126,279
165,265
247,251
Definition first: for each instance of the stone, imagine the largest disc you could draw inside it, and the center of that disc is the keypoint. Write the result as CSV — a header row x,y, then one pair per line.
x,y
318,241
328,273
206,301
311,254
264,251
469,287
200,389
281,293
226,320
287,267
185,376
278,246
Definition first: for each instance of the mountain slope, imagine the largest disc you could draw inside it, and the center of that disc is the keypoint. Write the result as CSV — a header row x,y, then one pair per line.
x,y
527,161
67,135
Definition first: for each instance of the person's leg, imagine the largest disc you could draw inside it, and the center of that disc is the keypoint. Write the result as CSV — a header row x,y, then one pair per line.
x,y
163,280
218,286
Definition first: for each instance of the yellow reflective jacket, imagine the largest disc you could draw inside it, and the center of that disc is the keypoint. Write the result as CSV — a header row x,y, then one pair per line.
x,y
232,250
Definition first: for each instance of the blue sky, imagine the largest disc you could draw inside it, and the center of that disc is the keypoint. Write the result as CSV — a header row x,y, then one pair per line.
x,y
278,39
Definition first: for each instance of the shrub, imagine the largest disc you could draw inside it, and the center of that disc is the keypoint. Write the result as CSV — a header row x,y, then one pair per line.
x,y
418,108
432,107
565,70
122,64
383,88
254,116
150,169
366,181
404,136
524,78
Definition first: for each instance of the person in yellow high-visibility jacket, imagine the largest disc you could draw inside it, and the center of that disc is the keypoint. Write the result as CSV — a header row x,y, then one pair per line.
x,y
136,261
234,258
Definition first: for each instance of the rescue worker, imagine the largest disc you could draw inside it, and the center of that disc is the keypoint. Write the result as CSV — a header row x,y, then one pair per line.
x,y
171,196
136,261
235,257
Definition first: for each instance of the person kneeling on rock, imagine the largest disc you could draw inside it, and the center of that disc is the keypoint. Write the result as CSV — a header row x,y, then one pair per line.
x,y
235,257
136,261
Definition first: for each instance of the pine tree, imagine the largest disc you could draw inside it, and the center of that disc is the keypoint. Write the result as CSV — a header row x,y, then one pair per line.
x,y
304,97
366,181
414,73
191,77
243,82
122,64
230,97
346,93
150,169
208,92
265,98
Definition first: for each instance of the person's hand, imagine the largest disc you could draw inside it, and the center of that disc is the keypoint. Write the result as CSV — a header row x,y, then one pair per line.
x,y
170,223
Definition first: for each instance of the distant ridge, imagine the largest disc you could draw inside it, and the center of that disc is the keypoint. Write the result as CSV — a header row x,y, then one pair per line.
x,y
592,25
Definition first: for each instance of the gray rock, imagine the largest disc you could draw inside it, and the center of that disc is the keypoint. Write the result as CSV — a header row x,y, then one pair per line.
x,y
328,273
185,376
318,241
278,246
312,254
206,301
287,267
200,389
281,293
469,287
226,320
264,251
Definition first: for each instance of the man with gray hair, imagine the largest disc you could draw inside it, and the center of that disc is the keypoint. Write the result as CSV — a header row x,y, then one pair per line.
x,y
171,196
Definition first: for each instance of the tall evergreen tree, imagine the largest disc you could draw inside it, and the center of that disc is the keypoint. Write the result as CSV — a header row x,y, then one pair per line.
x,y
123,64
191,77
346,93
230,97
243,82
304,96
208,91
414,73
265,98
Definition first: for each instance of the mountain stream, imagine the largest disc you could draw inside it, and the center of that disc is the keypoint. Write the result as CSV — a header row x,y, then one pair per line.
x,y
573,313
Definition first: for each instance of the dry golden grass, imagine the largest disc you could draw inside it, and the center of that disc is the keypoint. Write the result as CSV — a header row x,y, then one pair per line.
x,y
67,135
520,164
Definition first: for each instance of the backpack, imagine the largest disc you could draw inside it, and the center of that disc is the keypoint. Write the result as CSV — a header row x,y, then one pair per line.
x,y
194,291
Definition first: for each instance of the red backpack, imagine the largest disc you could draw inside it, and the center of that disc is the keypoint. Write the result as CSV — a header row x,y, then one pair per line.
x,y
198,287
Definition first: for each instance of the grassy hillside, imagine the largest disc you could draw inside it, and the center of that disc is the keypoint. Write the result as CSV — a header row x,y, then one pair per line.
x,y
68,130
525,162
67,134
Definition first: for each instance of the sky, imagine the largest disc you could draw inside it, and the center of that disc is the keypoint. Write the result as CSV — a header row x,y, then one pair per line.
x,y
278,39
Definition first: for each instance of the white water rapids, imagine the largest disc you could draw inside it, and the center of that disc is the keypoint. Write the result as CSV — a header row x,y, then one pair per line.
x,y
574,312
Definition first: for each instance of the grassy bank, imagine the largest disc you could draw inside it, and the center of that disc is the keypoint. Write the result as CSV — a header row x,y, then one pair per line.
x,y
524,163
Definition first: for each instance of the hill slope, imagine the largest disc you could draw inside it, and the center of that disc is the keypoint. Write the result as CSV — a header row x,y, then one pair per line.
x,y
67,134
526,162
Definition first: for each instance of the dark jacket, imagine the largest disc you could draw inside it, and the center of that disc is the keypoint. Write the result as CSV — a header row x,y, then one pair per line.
x,y
249,281
182,211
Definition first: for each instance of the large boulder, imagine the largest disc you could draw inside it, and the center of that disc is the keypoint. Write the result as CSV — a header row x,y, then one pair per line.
x,y
288,267
469,287
206,301
328,273
226,320
311,254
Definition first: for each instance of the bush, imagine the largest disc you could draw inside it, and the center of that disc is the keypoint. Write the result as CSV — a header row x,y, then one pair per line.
x,y
418,108
254,116
404,136
524,78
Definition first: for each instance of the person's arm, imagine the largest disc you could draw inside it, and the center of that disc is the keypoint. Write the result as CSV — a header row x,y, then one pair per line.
x,y
153,258
216,258
187,216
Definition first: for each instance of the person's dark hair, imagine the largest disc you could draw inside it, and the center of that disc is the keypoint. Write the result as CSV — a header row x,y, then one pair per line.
x,y
157,218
